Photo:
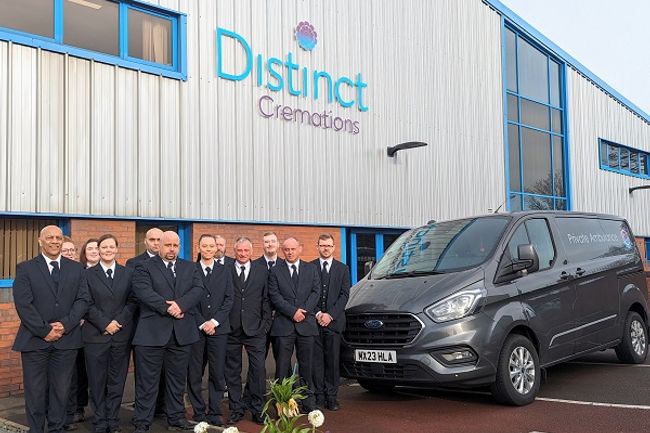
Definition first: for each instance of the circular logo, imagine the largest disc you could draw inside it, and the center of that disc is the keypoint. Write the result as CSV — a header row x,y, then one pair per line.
x,y
373,324
306,36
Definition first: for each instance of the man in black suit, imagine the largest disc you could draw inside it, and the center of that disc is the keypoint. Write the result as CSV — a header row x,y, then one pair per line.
x,y
168,289
152,243
51,297
250,319
107,334
213,320
335,291
270,245
294,289
220,254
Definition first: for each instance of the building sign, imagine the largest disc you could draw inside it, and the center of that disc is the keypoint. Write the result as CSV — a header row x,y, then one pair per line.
x,y
284,74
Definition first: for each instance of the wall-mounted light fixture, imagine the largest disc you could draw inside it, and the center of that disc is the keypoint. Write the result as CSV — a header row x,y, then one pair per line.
x,y
392,150
634,188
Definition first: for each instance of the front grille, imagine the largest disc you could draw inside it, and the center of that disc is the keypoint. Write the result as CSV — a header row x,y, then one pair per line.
x,y
398,329
380,371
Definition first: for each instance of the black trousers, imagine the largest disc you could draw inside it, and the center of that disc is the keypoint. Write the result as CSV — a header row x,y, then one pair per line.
x,y
151,360
78,397
256,379
327,350
46,377
210,348
107,365
304,353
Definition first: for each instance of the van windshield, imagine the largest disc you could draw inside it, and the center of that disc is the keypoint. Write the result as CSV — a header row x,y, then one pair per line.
x,y
447,246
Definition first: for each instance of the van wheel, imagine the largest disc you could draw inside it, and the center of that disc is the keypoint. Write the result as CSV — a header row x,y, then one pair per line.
x,y
633,349
518,375
374,387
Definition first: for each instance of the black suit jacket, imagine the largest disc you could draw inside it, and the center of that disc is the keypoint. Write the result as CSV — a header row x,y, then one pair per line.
x,y
262,261
109,302
218,298
39,303
251,310
134,261
286,299
338,292
153,285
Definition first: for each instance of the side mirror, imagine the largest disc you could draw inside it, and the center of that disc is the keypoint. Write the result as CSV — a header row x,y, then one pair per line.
x,y
367,267
528,259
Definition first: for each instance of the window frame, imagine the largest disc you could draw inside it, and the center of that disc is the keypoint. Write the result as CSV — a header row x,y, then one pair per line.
x,y
523,223
631,150
177,70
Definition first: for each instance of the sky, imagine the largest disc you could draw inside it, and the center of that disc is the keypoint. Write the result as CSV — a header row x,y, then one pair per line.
x,y
609,37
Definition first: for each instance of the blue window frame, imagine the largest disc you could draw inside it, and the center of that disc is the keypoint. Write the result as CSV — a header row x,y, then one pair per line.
x,y
164,33
535,125
367,245
623,159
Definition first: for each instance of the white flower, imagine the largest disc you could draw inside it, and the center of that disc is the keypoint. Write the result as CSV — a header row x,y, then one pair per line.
x,y
232,429
316,418
201,427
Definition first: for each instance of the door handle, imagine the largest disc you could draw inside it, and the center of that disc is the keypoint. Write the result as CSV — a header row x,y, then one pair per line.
x,y
580,272
565,276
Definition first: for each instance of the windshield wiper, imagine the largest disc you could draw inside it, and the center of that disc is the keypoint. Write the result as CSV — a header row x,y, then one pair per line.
x,y
409,274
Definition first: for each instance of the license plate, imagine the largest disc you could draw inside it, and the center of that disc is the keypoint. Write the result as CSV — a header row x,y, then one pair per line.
x,y
381,356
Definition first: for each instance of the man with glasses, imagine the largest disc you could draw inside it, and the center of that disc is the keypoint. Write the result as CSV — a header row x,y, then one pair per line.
x,y
334,294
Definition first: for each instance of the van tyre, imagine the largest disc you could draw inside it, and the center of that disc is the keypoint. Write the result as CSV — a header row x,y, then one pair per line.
x,y
374,387
633,348
518,374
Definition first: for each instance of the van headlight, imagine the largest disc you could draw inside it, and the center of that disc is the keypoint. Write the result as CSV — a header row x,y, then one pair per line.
x,y
457,305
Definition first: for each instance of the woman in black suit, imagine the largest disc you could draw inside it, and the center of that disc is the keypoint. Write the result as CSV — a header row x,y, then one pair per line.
x,y
107,334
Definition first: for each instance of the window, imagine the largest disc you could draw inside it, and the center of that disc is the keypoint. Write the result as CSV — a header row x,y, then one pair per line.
x,y
591,238
534,232
623,159
18,242
122,32
535,126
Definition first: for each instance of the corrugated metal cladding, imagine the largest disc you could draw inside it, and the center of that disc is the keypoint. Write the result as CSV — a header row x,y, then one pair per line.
x,y
80,137
593,114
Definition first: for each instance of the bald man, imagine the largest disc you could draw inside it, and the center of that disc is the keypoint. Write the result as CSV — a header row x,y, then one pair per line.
x,y
51,297
152,243
168,289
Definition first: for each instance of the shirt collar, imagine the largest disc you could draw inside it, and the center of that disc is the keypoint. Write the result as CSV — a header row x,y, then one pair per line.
x,y
151,255
246,265
329,262
211,265
297,263
112,267
48,260
166,262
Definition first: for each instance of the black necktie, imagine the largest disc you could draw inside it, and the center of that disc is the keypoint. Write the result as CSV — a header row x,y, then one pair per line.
x,y
294,275
325,271
270,263
56,273
242,274
109,273
208,271
170,266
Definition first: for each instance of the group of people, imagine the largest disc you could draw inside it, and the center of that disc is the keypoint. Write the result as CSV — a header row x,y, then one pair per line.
x,y
177,317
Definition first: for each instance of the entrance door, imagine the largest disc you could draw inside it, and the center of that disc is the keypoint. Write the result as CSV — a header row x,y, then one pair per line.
x,y
368,245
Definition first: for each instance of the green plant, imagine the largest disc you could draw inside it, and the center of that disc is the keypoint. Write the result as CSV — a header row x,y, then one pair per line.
x,y
284,397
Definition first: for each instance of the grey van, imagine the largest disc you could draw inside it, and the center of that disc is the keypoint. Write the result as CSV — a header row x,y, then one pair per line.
x,y
493,299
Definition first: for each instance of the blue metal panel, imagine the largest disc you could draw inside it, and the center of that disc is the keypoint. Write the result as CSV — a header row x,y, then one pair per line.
x,y
504,81
353,257
6,284
58,21
185,235
343,246
379,246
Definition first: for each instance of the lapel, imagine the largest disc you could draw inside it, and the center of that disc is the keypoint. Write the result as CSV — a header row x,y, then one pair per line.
x,y
165,272
284,271
118,275
45,270
99,274
65,270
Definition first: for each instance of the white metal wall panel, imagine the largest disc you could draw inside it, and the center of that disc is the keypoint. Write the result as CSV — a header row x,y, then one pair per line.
x,y
4,114
77,136
141,145
592,115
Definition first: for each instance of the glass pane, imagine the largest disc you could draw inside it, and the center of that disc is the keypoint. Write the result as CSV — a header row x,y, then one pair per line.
x,y
366,252
555,83
519,237
535,114
515,202
560,204
513,145
537,203
511,61
613,156
540,237
624,159
389,239
537,161
533,72
92,25
557,120
513,113
634,162
30,16
603,153
150,37
643,164
558,166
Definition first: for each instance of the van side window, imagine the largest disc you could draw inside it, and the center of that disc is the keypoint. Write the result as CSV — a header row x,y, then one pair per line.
x,y
594,238
536,233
